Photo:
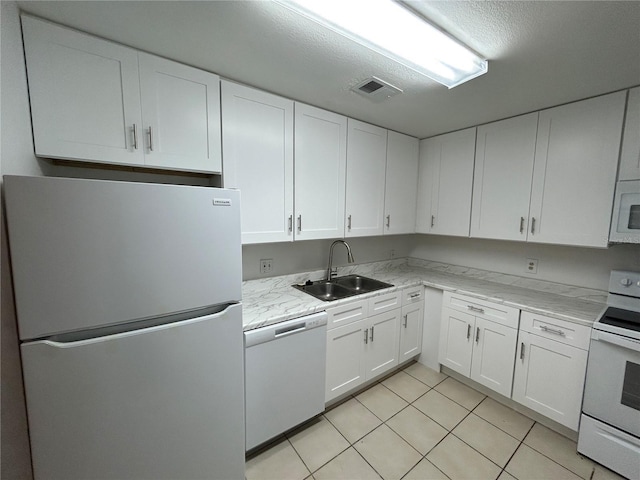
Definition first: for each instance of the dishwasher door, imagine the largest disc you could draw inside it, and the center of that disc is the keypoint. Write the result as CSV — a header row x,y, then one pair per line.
x,y
284,376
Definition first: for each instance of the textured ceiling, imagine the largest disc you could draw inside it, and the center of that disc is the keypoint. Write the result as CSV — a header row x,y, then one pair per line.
x,y
541,53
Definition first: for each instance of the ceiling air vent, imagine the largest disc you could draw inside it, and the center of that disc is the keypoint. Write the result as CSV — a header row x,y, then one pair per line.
x,y
375,89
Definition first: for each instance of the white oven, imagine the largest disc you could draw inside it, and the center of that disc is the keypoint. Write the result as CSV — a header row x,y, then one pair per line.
x,y
610,421
625,222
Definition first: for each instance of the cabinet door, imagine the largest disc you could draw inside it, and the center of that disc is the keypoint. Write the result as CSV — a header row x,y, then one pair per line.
x,y
575,172
455,341
411,331
181,115
630,156
346,367
257,139
549,378
366,163
84,94
445,183
401,184
320,170
505,153
381,351
493,356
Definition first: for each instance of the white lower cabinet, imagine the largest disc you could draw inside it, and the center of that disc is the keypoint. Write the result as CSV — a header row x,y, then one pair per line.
x,y
361,348
550,367
480,345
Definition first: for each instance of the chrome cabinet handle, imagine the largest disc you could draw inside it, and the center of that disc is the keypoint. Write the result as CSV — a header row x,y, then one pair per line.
x,y
300,222
388,220
135,136
290,223
521,224
475,309
477,334
468,330
366,336
533,225
521,350
433,219
150,139
555,331
414,295
371,338
349,222
405,321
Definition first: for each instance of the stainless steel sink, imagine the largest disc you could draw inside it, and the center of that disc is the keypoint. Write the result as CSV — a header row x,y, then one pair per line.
x,y
361,284
341,287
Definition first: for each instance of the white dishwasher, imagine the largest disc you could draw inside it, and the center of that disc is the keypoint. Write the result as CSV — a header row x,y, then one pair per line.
x,y
284,376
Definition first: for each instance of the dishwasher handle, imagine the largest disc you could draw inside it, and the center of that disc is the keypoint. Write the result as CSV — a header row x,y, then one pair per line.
x,y
280,330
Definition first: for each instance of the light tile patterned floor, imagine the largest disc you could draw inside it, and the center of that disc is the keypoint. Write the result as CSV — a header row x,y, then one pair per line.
x,y
420,424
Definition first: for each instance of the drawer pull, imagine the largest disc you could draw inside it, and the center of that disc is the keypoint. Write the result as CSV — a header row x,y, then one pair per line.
x,y
475,309
414,295
521,350
468,331
477,334
555,331
366,336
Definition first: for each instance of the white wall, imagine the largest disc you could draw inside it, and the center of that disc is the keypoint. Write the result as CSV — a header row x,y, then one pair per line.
x,y
585,267
294,257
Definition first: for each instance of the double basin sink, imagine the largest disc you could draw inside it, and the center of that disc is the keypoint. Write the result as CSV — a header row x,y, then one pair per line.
x,y
341,287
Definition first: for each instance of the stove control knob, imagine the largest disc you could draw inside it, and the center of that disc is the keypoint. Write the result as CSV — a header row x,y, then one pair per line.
x,y
625,282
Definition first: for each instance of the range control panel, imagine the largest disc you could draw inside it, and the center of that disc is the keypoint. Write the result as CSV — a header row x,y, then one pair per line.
x,y
625,283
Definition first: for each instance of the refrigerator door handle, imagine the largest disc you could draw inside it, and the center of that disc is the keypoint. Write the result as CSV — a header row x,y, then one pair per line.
x,y
114,332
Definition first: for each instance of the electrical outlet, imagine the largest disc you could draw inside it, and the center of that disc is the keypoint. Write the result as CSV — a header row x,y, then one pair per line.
x,y
532,265
266,265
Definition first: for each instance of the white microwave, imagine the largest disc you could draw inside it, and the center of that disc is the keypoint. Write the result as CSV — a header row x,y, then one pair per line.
x,y
625,223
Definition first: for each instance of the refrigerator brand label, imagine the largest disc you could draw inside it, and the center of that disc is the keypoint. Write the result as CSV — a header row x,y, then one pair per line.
x,y
222,202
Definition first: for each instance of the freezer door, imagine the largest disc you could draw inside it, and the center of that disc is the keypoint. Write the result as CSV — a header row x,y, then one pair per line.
x,y
165,402
88,253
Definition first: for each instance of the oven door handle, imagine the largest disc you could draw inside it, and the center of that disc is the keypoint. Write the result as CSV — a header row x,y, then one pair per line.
x,y
617,340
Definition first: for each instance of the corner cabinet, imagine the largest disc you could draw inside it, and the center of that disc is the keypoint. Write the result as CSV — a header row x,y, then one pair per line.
x,y
320,157
401,184
630,155
366,165
257,138
445,183
551,366
96,101
478,340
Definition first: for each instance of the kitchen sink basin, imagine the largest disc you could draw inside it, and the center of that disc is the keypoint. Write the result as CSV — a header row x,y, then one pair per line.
x,y
361,284
341,287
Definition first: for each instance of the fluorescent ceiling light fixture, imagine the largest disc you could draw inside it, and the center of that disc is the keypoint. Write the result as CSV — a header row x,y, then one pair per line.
x,y
396,32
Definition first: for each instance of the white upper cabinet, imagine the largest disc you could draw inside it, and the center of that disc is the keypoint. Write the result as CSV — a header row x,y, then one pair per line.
x,y
445,183
257,139
181,115
630,156
366,165
96,101
575,171
401,184
320,169
505,153
84,94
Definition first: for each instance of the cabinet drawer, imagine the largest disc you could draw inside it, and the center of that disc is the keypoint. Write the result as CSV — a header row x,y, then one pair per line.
x,y
495,312
556,329
385,302
412,295
347,313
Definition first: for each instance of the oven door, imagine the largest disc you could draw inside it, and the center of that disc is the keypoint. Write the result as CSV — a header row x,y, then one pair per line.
x,y
625,224
612,386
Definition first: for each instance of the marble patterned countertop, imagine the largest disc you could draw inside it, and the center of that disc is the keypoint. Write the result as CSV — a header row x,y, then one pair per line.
x,y
272,300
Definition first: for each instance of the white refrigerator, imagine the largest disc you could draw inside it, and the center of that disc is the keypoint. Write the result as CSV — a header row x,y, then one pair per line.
x,y
129,316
